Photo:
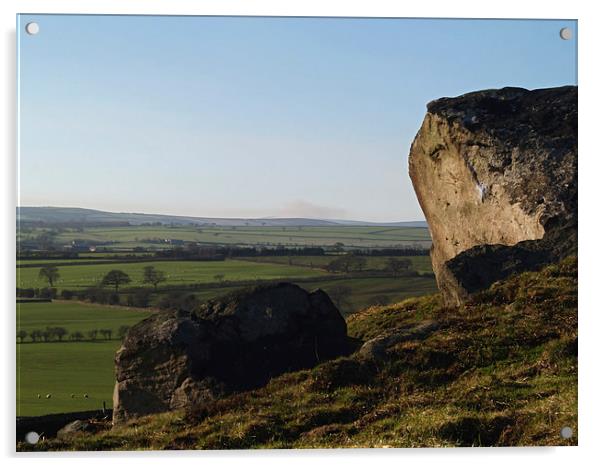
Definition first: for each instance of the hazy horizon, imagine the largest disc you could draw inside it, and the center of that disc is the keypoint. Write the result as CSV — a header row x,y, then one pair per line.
x,y
268,217
233,117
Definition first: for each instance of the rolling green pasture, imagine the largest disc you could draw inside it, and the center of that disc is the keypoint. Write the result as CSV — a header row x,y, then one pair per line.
x,y
64,368
177,273
155,236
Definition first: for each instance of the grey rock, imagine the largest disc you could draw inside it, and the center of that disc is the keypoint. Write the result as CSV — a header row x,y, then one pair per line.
x,y
178,359
376,348
74,428
495,173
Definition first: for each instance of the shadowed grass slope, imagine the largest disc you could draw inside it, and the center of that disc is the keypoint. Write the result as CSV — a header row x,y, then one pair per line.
x,y
501,370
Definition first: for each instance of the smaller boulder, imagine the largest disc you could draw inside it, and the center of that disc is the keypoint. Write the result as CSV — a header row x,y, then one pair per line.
x,y
179,360
74,428
376,348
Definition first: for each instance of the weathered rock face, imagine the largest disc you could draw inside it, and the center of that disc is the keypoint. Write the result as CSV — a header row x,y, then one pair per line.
x,y
495,173
178,359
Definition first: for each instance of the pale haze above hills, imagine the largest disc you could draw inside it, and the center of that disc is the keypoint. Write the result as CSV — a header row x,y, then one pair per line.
x,y
79,215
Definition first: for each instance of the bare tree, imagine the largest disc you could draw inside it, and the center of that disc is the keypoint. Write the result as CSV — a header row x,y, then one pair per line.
x,y
346,263
49,273
153,276
398,265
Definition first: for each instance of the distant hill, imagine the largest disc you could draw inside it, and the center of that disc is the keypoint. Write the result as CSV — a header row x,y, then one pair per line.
x,y
53,215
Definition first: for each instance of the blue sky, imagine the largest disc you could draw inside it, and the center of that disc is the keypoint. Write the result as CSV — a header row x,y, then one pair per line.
x,y
253,117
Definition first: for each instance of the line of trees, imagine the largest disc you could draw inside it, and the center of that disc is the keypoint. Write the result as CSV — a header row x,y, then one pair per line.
x,y
207,253
195,252
398,266
51,334
42,293
115,279
139,297
349,262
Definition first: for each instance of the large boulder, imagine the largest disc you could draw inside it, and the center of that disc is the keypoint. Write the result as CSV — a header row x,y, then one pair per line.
x,y
495,173
178,359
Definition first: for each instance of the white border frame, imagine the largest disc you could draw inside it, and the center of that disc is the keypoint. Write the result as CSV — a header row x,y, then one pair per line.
x,y
590,28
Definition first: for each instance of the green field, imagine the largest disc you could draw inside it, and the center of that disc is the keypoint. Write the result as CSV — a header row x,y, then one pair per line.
x,y
146,236
177,273
75,316
306,270
64,368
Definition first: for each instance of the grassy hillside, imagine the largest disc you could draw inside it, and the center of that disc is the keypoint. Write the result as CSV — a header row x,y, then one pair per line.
x,y
501,370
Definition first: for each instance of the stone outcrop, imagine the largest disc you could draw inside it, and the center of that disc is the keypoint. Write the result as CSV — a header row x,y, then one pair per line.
x,y
178,359
74,428
495,173
376,348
